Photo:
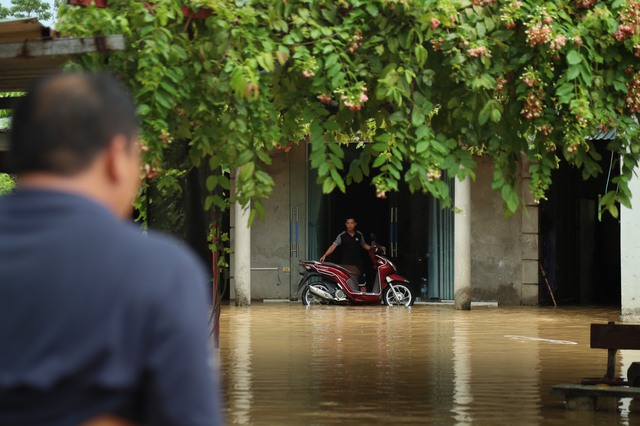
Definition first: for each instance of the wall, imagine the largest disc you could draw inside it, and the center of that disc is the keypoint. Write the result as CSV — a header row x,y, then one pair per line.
x,y
630,255
504,250
274,237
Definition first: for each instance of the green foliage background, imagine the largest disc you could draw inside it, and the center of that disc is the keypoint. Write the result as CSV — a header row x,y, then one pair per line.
x,y
6,184
423,85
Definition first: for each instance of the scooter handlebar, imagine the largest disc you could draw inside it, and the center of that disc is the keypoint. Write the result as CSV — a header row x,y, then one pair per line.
x,y
378,249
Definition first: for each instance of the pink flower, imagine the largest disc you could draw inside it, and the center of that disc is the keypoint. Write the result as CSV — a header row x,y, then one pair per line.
x,y
434,23
363,97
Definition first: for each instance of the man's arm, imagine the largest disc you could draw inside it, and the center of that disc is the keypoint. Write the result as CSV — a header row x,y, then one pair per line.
x,y
363,243
329,251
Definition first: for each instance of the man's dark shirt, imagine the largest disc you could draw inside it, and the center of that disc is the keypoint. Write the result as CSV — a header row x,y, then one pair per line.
x,y
97,318
351,248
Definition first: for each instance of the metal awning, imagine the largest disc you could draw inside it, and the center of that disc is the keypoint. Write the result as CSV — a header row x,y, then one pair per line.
x,y
29,50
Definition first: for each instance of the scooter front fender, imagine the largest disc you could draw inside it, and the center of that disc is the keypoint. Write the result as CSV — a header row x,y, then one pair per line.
x,y
395,277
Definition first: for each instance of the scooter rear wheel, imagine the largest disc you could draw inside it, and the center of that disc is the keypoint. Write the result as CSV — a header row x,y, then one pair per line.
x,y
309,298
400,294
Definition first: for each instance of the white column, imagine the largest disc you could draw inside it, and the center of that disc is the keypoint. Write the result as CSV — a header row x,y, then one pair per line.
x,y
242,255
630,255
462,244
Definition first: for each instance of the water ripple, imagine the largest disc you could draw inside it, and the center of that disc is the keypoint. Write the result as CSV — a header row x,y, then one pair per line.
x,y
284,364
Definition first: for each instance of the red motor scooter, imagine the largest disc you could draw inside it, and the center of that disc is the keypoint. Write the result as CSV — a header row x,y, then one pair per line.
x,y
326,283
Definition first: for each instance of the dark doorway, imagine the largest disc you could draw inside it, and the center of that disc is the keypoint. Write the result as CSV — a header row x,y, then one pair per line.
x,y
400,222
580,253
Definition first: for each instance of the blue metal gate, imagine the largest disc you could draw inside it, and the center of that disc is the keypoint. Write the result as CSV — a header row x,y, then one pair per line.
x,y
440,263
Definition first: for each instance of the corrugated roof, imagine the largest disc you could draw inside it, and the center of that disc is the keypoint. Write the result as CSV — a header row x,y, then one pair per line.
x,y
23,29
16,73
609,135
29,50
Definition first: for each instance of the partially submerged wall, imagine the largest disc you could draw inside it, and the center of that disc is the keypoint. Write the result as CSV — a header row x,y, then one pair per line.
x,y
630,255
504,250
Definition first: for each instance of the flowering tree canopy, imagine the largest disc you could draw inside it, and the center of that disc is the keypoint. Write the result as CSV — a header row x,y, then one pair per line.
x,y
423,86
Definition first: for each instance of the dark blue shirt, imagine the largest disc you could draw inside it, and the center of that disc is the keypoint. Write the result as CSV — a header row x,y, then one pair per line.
x,y
96,318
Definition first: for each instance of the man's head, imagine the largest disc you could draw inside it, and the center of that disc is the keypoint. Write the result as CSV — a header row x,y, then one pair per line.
x,y
350,224
71,126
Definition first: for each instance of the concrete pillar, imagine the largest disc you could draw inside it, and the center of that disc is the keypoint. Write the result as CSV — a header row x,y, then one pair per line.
x,y
242,255
630,255
462,244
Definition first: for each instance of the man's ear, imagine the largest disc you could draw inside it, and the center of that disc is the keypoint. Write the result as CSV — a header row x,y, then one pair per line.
x,y
116,158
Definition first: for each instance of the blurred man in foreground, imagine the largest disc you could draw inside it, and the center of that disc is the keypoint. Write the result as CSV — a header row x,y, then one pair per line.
x,y
98,323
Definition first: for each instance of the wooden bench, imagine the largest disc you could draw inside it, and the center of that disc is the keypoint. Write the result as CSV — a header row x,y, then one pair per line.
x,y
611,337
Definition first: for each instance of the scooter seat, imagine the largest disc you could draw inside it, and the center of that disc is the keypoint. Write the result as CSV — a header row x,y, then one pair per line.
x,y
339,267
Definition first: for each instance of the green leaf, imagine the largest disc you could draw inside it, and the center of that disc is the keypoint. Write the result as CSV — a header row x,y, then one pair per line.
x,y
331,60
380,146
485,113
481,29
510,197
323,170
328,185
585,72
212,182
380,160
336,149
397,116
266,61
422,131
208,202
246,170
417,117
496,115
421,54
143,109
564,90
338,179
384,137
573,72
573,57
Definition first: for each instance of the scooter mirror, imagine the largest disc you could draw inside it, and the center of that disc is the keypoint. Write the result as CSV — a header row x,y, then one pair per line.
x,y
372,237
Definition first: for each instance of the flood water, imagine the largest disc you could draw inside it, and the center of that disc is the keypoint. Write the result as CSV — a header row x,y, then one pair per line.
x,y
286,364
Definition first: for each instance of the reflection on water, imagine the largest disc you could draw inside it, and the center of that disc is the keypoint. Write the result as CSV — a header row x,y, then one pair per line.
x,y
284,364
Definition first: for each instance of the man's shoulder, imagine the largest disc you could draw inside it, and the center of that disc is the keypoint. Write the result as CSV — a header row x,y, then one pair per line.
x,y
341,235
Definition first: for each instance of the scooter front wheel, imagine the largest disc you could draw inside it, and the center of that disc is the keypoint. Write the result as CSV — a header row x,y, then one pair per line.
x,y
399,294
308,298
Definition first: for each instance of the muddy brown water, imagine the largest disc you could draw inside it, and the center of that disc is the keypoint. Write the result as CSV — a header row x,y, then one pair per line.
x,y
286,364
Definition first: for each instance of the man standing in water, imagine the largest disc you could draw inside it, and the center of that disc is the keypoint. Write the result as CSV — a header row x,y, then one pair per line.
x,y
351,242
99,324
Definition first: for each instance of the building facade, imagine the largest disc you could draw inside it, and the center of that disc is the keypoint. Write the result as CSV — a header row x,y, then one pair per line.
x,y
300,223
